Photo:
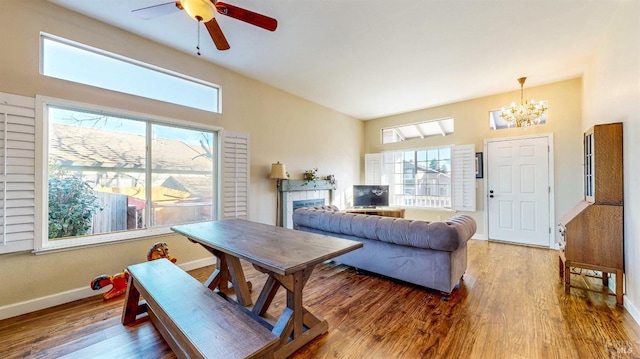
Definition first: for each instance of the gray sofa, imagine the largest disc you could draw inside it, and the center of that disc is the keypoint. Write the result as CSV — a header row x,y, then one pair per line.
x,y
429,254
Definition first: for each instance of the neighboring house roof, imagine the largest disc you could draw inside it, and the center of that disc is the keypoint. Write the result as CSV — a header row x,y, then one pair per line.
x,y
191,184
94,150
75,146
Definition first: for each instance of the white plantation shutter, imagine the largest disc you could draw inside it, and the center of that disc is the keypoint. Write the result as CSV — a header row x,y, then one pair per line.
x,y
17,173
464,178
235,175
373,168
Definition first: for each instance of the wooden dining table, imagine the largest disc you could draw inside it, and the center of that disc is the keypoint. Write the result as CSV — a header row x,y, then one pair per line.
x,y
287,256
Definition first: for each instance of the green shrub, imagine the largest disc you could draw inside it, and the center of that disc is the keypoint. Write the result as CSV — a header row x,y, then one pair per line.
x,y
72,203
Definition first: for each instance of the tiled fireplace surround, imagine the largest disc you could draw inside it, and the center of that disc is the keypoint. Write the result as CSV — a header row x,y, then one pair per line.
x,y
299,190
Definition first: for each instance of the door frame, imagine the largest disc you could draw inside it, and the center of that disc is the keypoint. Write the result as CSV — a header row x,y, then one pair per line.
x,y
552,204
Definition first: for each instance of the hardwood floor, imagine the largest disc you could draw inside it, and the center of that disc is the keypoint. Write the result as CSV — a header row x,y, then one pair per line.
x,y
511,304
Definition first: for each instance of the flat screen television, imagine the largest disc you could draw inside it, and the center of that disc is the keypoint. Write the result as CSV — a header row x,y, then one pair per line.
x,y
370,196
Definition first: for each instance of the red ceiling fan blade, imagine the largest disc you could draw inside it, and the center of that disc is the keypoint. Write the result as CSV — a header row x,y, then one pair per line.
x,y
150,12
216,35
253,18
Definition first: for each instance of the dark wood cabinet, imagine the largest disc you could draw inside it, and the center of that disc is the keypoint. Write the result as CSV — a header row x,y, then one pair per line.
x,y
603,164
592,232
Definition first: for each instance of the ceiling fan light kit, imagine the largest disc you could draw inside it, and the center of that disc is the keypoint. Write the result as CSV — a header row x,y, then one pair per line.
x,y
204,11
199,10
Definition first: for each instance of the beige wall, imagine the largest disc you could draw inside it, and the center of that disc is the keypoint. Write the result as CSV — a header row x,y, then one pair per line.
x,y
471,125
282,127
612,94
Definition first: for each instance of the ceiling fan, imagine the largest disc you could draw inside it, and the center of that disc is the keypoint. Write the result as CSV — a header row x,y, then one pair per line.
x,y
205,11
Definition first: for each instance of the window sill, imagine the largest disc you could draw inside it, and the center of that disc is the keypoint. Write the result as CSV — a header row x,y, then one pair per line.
x,y
101,240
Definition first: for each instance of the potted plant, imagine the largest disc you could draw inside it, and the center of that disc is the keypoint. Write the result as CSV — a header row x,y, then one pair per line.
x,y
310,176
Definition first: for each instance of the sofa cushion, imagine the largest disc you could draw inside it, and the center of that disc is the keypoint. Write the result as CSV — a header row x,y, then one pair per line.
x,y
447,235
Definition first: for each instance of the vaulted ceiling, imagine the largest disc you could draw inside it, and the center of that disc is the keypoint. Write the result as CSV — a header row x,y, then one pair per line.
x,y
374,58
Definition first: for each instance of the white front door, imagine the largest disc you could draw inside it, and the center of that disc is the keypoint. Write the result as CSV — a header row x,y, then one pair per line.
x,y
518,190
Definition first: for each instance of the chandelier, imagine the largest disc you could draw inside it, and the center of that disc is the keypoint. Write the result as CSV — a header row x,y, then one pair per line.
x,y
527,113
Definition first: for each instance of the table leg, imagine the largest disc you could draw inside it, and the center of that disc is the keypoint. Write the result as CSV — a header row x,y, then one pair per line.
x,y
294,301
229,269
296,326
239,281
219,279
266,296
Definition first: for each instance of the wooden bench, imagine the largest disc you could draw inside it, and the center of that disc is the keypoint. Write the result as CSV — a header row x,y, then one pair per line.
x,y
195,321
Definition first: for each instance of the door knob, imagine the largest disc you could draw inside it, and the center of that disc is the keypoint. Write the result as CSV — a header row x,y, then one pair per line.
x,y
490,196
491,191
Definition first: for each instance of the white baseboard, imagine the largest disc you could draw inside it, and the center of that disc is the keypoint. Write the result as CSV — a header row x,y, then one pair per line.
x,y
480,236
632,309
49,301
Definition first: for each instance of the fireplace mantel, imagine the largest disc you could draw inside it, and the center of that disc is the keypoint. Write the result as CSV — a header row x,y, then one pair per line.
x,y
287,190
301,185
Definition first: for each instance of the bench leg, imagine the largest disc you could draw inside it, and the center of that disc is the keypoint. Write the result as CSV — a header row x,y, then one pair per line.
x,y
132,297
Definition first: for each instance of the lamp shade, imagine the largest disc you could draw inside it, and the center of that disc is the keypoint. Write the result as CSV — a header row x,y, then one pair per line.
x,y
278,171
200,10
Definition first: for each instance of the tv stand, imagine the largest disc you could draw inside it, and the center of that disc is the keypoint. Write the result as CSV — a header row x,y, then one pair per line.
x,y
379,211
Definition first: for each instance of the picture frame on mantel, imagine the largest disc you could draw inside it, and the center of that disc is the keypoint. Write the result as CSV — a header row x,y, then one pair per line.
x,y
479,165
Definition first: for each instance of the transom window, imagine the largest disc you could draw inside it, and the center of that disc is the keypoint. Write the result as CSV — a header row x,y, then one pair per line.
x,y
72,61
113,173
441,127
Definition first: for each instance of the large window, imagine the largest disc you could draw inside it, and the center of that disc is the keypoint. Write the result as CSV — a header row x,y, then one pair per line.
x,y
112,173
420,178
437,177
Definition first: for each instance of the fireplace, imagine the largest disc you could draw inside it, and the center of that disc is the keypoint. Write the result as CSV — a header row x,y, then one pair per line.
x,y
296,193
307,203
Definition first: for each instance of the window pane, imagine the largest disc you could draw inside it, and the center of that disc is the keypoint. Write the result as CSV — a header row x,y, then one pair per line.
x,y
75,62
419,178
182,175
96,173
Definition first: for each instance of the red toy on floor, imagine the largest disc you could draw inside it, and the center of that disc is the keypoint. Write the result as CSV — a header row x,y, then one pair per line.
x,y
119,280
